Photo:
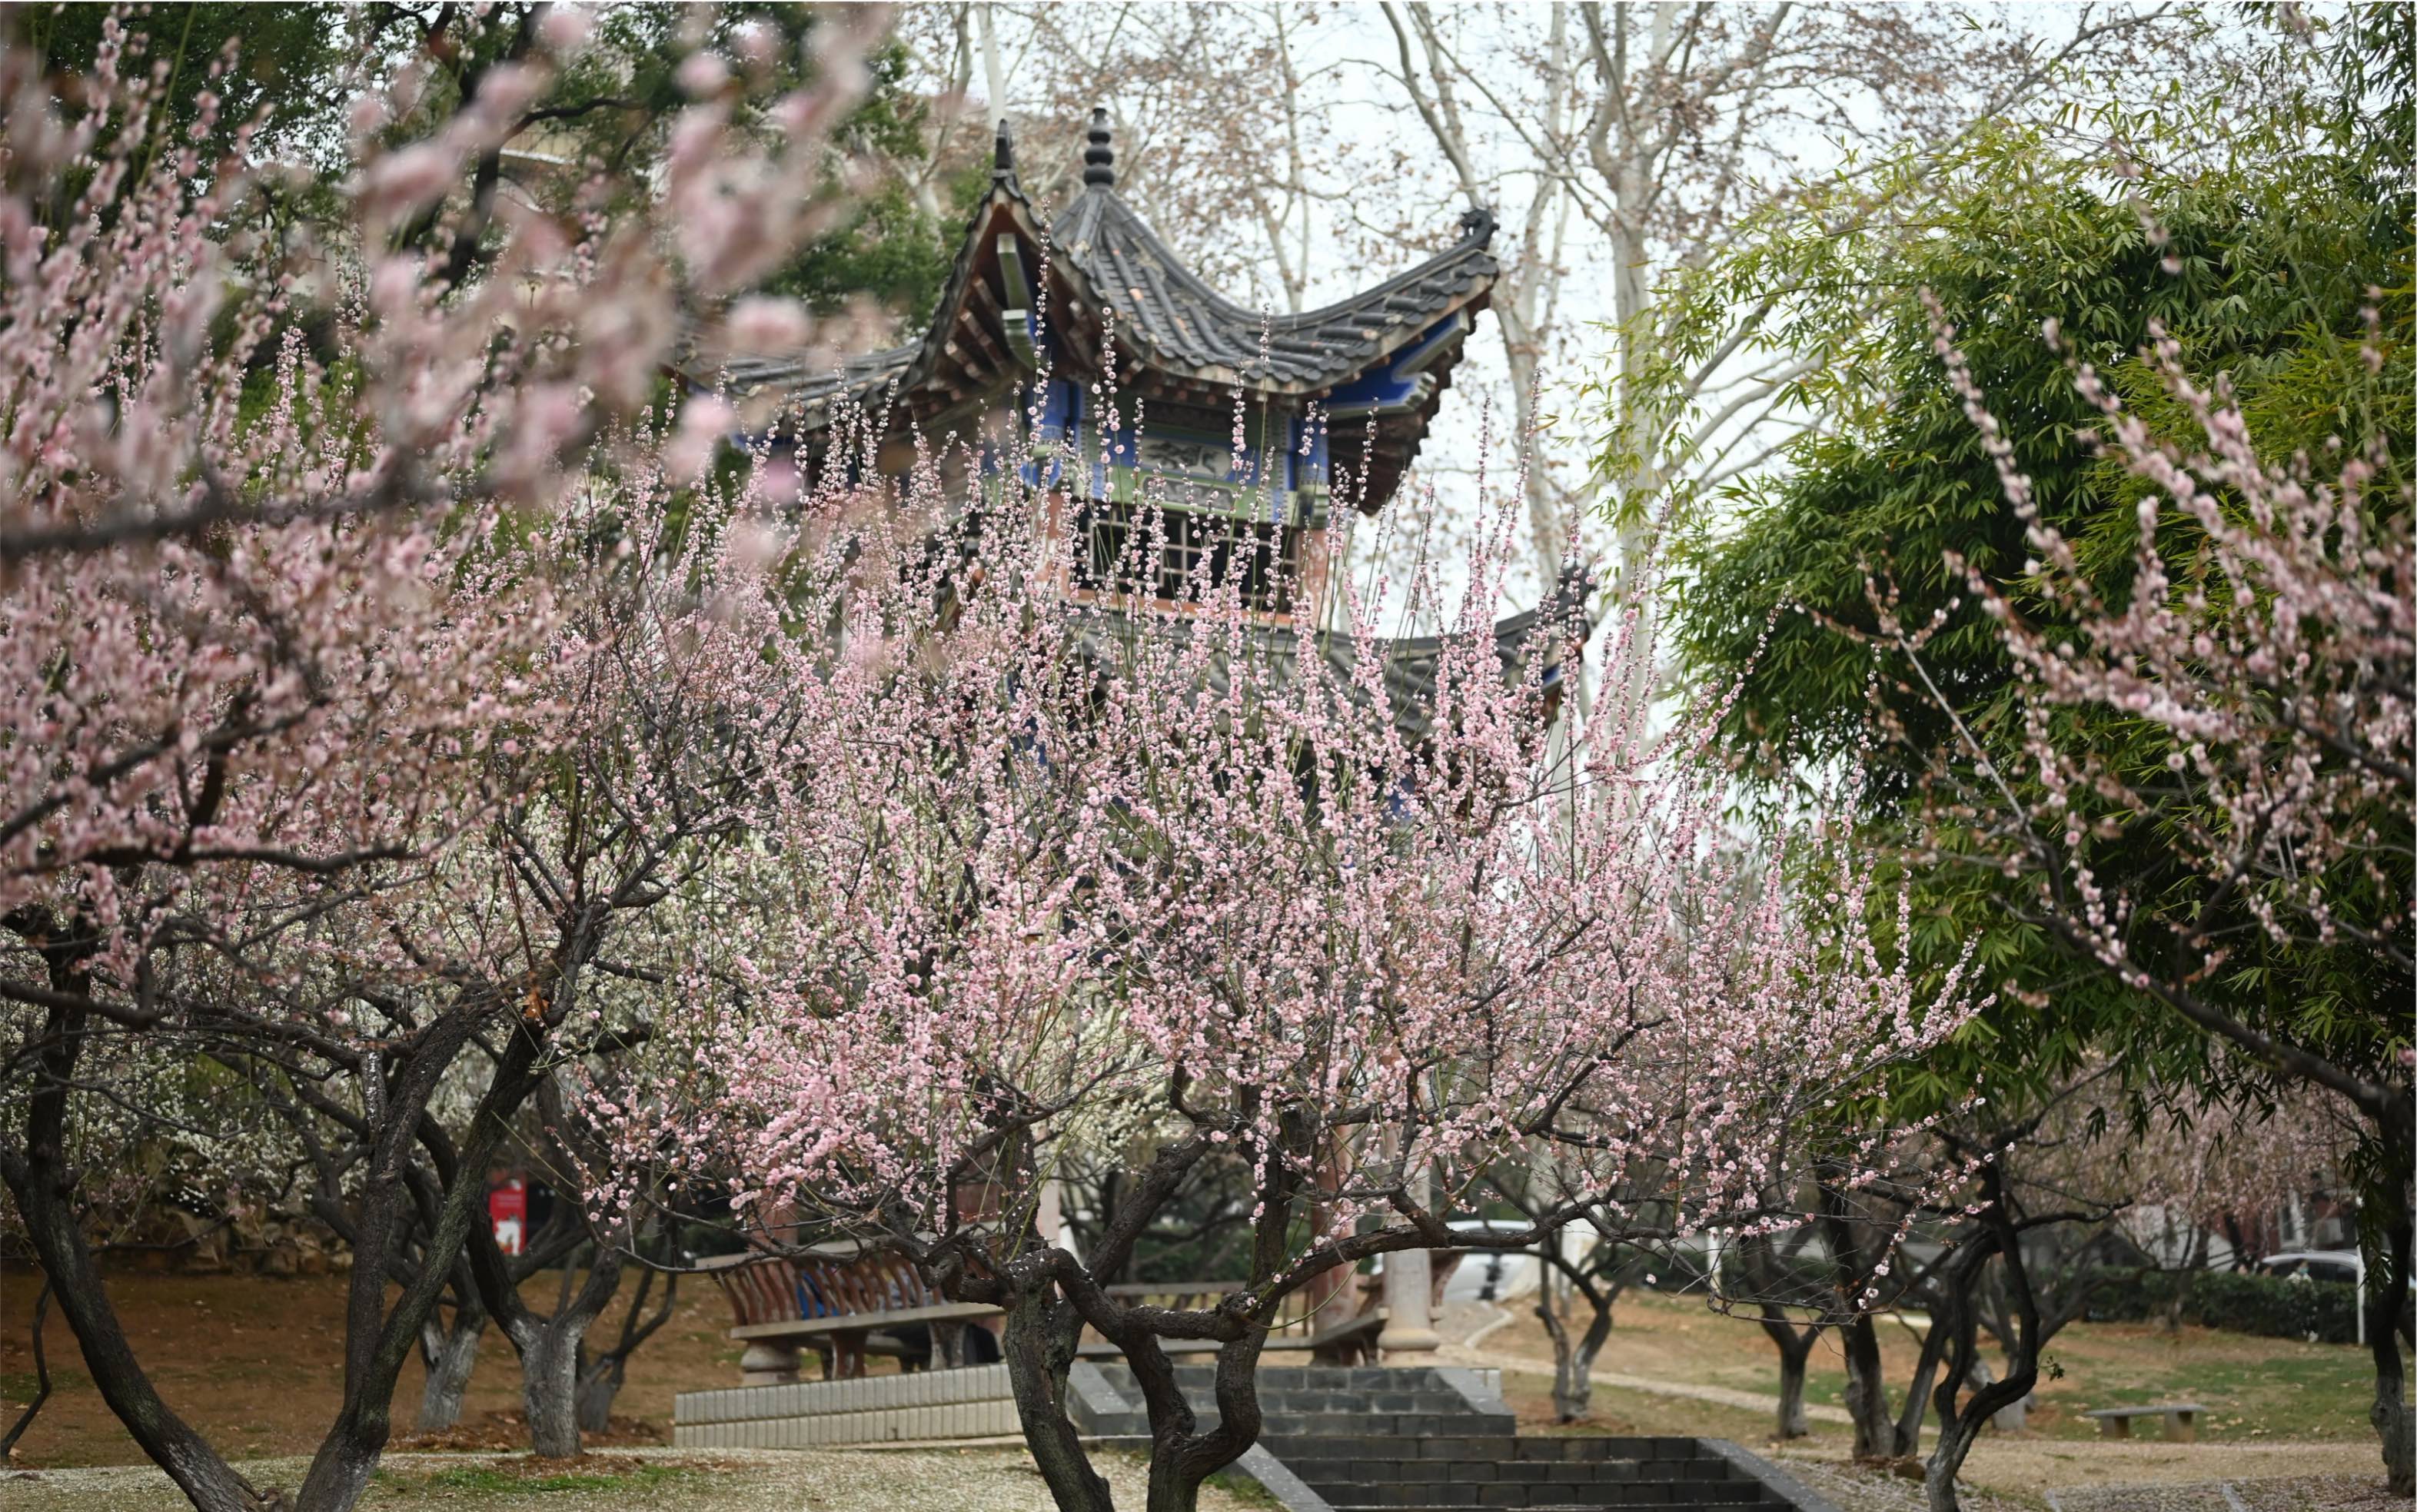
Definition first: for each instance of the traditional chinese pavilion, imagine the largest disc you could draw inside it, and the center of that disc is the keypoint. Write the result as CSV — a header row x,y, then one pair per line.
x,y
1334,402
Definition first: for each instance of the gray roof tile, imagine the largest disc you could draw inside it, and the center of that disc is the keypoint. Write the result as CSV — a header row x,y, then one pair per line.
x,y
1183,325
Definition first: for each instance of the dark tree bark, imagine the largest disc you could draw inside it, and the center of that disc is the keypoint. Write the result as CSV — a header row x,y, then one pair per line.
x,y
1049,1296
551,1346
1866,1398
1795,1344
1944,1306
400,1213
378,1339
42,1374
1957,1430
448,1350
1039,1342
2194,1261
2384,1235
600,1380
1776,1289
1574,1357
1989,1272
43,1181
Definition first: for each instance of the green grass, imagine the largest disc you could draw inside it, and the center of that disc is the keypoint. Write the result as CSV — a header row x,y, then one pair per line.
x,y
21,1385
2283,1397
2321,1393
2255,1389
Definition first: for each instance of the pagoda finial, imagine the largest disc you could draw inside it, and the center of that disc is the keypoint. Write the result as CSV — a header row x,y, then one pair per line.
x,y
1002,155
1099,157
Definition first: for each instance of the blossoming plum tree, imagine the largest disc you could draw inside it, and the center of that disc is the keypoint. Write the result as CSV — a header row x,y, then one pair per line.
x,y
2243,711
285,623
1063,874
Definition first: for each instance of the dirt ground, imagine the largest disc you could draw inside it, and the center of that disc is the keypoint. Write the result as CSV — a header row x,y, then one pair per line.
x,y
878,1480
256,1363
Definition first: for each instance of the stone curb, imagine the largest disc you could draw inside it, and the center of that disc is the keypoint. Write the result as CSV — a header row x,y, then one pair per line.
x,y
1275,1479
1774,1480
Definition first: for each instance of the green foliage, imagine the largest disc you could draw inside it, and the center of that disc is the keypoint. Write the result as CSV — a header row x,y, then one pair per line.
x,y
296,69
287,60
2270,1306
888,250
2261,248
2263,279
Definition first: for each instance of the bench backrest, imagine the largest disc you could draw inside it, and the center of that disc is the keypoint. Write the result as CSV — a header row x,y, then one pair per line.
x,y
766,1288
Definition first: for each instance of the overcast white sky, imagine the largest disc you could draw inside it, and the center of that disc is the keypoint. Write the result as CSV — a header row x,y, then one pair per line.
x,y
1388,168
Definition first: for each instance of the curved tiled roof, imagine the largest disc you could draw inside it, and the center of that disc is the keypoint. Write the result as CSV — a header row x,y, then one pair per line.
x,y
1187,327
858,375
1408,665
1173,320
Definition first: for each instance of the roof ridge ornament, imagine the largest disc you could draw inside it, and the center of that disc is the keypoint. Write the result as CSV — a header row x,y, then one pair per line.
x,y
1099,157
1002,155
1477,224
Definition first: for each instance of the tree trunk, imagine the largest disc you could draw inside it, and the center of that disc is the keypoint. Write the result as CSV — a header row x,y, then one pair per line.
x,y
1795,1349
1561,1284
1573,1366
1958,1430
1866,1394
554,1362
42,1181
2390,1415
600,1380
2383,1233
1181,1455
41,1375
552,1347
598,1384
1946,1459
550,1387
378,1339
1038,1344
449,1350
1946,1315
2194,1261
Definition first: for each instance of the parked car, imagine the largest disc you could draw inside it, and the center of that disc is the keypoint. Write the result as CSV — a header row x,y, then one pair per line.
x,y
1491,1274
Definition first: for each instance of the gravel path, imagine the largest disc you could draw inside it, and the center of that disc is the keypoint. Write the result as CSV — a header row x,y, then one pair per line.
x,y
659,1480
2005,1473
2291,1493
1859,1489
1752,1401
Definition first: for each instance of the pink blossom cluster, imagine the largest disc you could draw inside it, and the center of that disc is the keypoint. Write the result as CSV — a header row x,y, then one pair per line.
x,y
2268,635
1055,872
292,635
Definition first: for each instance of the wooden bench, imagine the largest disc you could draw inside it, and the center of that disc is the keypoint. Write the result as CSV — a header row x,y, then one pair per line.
x,y
2181,1420
842,1306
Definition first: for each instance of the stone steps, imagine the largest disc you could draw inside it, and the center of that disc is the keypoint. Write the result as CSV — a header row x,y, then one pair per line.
x,y
1336,1438
1309,1402
1470,1473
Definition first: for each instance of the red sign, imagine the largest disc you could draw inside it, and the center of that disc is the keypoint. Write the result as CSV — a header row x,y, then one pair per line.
x,y
507,1209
